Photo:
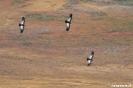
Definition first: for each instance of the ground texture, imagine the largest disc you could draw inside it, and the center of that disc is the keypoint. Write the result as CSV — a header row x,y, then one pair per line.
x,y
46,56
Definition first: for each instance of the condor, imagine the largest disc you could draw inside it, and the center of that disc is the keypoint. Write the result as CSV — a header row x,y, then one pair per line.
x,y
89,59
21,25
68,22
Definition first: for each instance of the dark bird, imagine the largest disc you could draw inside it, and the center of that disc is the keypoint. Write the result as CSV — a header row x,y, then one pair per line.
x,y
89,59
68,22
21,25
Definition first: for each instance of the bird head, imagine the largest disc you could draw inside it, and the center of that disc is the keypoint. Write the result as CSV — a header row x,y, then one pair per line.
x,y
66,21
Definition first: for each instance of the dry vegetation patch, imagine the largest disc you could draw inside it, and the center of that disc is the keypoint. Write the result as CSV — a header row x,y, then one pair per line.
x,y
43,5
46,56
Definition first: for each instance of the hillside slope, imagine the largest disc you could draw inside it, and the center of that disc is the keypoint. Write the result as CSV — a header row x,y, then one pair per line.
x,y
46,56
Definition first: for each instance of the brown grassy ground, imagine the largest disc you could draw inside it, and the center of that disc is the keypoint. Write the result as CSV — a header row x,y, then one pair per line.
x,y
46,56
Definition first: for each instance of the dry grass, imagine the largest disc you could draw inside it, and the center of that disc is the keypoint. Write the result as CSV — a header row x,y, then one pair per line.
x,y
49,83
43,5
46,56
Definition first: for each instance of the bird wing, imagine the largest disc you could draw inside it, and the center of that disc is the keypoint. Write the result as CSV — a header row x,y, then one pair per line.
x,y
89,61
68,26
69,19
90,57
22,22
21,27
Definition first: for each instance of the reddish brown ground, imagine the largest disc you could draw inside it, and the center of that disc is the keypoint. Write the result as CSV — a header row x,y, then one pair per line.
x,y
46,56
